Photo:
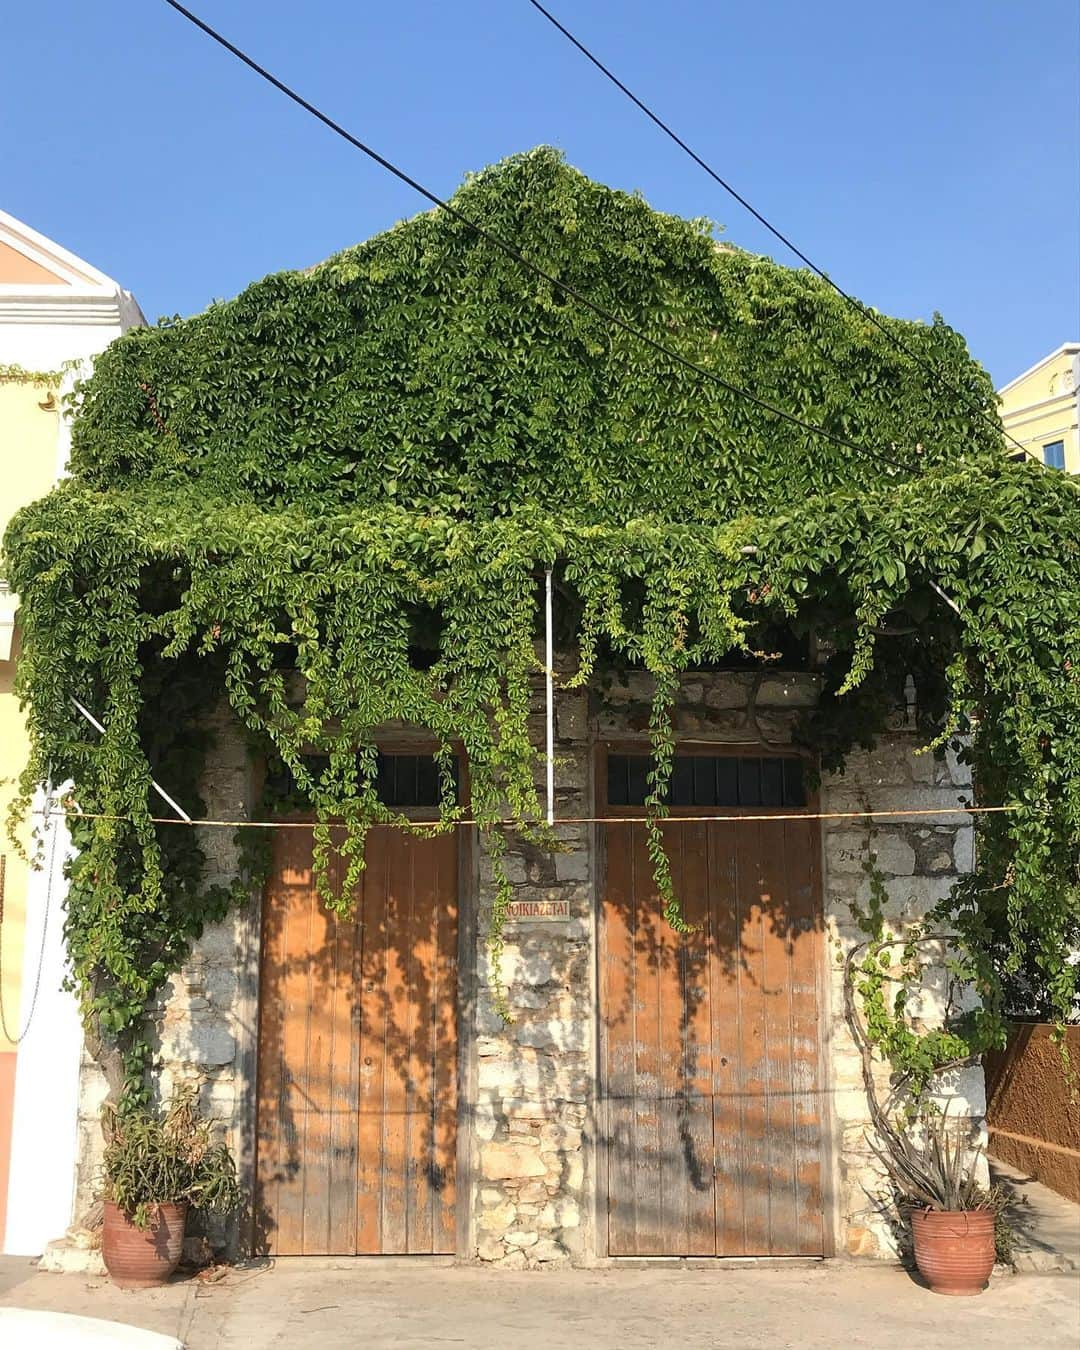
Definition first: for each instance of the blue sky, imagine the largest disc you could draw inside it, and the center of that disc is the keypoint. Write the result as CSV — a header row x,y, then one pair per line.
x,y
927,154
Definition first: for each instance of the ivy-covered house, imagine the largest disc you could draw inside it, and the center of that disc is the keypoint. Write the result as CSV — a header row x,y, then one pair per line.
x,y
301,573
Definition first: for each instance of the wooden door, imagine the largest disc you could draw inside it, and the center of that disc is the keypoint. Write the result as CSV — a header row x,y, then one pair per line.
x,y
710,1044
357,1097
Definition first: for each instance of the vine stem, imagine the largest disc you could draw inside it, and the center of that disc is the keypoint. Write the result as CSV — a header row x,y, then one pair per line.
x,y
879,1113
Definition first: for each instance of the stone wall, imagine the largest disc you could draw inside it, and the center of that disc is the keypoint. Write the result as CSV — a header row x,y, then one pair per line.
x,y
528,1126
203,1023
534,1077
535,1083
918,860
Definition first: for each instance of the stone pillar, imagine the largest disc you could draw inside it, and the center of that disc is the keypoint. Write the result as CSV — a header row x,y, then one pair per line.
x,y
206,1019
203,1022
919,860
534,1077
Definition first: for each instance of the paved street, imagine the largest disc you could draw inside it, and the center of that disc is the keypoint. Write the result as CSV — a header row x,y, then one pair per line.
x,y
381,1305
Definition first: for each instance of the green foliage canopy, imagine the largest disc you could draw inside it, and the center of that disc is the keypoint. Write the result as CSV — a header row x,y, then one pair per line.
x,y
299,480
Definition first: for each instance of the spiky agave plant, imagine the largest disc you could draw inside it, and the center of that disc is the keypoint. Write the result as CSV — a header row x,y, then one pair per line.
x,y
158,1159
938,1171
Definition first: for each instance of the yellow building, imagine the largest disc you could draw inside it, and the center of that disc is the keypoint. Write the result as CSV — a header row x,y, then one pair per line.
x,y
56,313
1041,408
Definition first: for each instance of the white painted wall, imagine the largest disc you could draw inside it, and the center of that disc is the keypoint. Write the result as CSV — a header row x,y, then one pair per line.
x,y
43,1137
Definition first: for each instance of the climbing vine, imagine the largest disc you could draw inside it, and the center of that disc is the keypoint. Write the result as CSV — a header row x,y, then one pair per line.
x,y
12,373
273,505
885,980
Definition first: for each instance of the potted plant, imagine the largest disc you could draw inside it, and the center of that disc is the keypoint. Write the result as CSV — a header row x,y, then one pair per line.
x,y
956,1223
155,1167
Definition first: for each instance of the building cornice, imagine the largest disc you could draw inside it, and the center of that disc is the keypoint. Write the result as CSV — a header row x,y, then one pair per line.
x,y
1042,407
1066,349
62,307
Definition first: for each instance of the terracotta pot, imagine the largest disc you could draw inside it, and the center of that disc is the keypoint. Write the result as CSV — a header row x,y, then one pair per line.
x,y
954,1249
139,1258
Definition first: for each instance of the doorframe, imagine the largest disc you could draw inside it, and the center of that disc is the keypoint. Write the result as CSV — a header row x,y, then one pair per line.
x,y
467,1073
636,744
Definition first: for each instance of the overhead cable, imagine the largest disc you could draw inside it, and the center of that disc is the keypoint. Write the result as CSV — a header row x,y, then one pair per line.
x,y
864,310
514,253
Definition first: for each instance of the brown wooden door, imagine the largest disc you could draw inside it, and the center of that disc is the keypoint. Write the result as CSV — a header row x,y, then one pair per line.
x,y
357,1095
710,1043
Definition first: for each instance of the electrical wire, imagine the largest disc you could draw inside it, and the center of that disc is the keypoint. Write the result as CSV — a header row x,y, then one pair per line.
x,y
517,256
864,310
743,818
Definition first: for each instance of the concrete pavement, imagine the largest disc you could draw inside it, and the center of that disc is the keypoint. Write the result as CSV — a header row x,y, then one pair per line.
x,y
399,1305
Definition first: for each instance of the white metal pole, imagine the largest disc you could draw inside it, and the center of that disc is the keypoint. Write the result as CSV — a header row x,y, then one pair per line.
x,y
156,786
948,599
549,662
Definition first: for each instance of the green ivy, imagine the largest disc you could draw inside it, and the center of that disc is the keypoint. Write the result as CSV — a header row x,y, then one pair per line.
x,y
13,373
268,502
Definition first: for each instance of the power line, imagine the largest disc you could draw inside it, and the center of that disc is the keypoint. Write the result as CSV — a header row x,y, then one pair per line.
x,y
865,310
960,809
517,256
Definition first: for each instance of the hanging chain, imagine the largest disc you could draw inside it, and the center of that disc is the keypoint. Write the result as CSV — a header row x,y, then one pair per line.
x,y
54,827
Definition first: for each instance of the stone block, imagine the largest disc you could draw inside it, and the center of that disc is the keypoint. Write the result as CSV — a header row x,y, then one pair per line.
x,y
640,685
518,1239
485,1121
197,1042
727,691
886,764
959,774
501,1161
552,1035
572,866
489,1021
524,1109
560,1137
788,691
519,966
561,1212
893,855
926,767
64,1257
547,1249
845,851
964,849
497,1218
93,1089
573,1174
861,1242
218,943
571,715
490,1247
524,997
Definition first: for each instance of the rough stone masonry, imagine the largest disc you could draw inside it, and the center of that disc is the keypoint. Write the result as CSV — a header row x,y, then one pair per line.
x,y
536,1078
531,1085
